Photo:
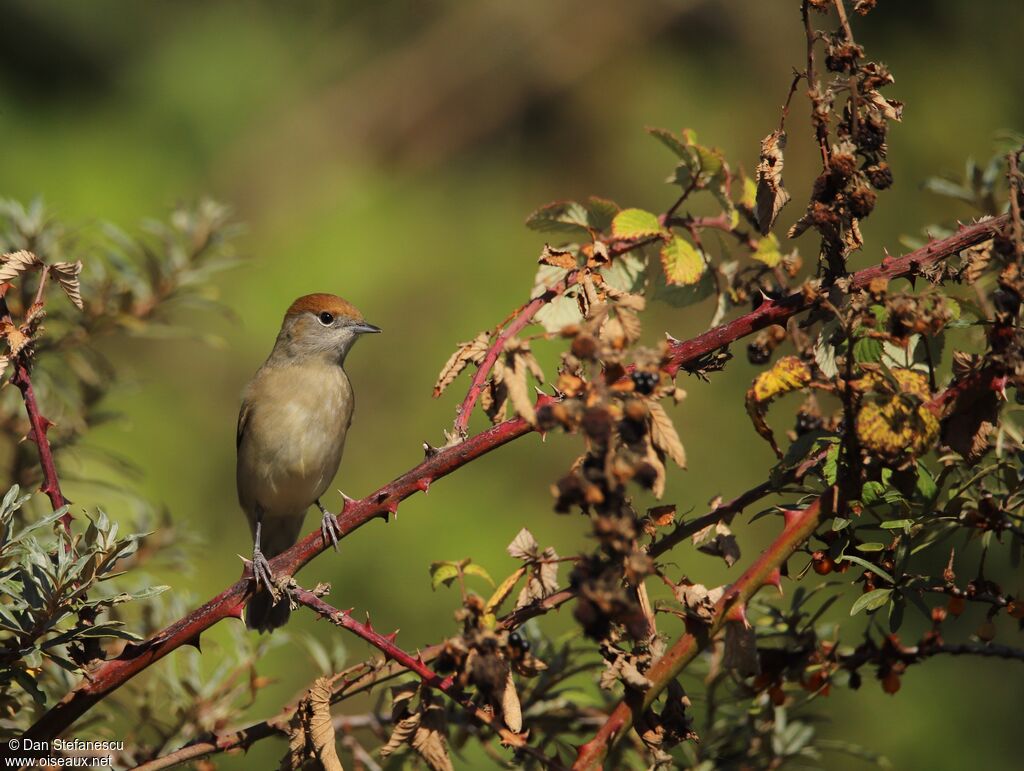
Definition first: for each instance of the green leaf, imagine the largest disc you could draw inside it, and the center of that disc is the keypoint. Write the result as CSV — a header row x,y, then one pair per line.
x,y
473,569
559,217
872,493
867,565
443,573
872,600
768,251
635,223
926,486
682,262
897,524
867,350
628,272
670,139
872,546
830,469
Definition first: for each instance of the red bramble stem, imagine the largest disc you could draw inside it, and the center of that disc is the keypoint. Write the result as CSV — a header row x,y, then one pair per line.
x,y
114,673
415,664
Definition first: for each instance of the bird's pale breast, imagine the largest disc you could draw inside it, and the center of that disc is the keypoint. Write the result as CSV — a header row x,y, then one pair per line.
x,y
293,438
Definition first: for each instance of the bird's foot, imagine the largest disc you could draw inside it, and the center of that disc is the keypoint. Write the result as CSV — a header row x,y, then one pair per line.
x,y
329,526
261,571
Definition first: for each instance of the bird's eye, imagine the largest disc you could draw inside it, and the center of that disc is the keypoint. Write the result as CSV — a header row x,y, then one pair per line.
x,y
326,318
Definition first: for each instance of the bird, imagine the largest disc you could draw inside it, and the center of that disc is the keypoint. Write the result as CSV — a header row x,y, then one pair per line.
x,y
295,415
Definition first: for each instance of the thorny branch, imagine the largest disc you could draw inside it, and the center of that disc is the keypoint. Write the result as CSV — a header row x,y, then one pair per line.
x,y
22,379
439,463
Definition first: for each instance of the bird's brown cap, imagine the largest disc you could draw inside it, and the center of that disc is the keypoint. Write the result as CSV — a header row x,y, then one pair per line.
x,y
320,302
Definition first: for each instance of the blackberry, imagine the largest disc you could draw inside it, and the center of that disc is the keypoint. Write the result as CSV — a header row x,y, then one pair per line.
x,y
645,381
758,353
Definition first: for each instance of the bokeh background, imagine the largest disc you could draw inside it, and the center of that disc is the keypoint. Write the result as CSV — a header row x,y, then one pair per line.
x,y
389,151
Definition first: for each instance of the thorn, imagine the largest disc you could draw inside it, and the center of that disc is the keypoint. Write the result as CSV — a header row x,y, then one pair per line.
x,y
766,300
423,485
368,624
774,578
194,642
391,637
236,612
429,450
791,515
738,612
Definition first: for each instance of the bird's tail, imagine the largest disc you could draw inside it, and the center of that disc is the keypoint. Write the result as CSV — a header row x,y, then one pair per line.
x,y
263,614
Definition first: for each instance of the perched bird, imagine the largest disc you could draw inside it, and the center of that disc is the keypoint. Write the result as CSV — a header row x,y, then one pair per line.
x,y
295,415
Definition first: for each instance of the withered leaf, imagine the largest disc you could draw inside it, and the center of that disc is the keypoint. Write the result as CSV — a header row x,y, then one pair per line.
x,y
718,541
740,652
519,361
559,258
623,669
511,709
311,730
471,352
771,194
16,339
67,275
524,546
543,579
14,264
891,109
788,374
974,260
970,422
698,601
664,435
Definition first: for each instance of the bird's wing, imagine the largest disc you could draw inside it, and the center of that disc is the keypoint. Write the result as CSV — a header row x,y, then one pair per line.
x,y
243,419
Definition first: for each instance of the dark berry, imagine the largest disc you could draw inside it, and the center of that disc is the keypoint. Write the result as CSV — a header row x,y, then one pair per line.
x,y
645,381
758,353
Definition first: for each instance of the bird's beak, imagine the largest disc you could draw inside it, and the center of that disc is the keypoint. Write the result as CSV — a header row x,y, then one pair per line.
x,y
363,327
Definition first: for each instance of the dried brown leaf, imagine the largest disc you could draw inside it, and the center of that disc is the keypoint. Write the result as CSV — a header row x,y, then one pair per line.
x,y
524,546
471,352
13,264
771,194
664,435
67,275
558,258
511,709
718,541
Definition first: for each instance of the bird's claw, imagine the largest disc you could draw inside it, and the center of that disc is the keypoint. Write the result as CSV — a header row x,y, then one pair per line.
x,y
329,527
261,571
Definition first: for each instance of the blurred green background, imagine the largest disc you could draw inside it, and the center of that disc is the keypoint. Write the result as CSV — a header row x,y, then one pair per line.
x,y
389,151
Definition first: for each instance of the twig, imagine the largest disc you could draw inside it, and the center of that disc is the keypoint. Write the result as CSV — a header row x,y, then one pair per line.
x,y
765,571
40,425
416,665
229,603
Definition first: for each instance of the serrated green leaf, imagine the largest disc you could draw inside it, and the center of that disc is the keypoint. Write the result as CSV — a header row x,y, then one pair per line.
x,y
682,262
635,223
872,600
867,350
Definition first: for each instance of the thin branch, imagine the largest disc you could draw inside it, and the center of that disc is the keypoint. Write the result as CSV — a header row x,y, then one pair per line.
x,y
765,571
439,463
40,424
416,665
519,321
779,311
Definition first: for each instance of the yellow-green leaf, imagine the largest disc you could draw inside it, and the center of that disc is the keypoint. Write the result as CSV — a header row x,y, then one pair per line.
x,y
768,251
682,262
635,223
